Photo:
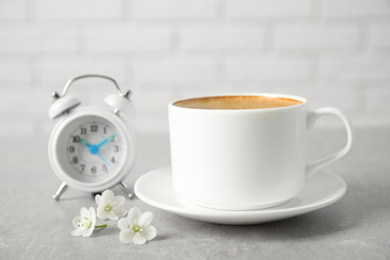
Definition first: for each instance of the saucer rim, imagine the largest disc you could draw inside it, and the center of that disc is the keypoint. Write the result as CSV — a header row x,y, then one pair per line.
x,y
205,212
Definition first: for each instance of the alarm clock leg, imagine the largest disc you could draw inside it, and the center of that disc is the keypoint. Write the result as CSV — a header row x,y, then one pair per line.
x,y
60,190
123,186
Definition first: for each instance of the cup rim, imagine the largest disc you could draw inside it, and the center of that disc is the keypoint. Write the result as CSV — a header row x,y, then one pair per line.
x,y
302,99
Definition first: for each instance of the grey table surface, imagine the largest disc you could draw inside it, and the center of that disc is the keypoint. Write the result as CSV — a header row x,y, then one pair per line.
x,y
34,226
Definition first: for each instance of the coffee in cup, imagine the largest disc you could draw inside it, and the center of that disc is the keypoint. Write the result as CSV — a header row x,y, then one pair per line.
x,y
237,102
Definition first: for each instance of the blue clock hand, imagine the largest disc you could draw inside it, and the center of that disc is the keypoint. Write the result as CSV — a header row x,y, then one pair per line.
x,y
103,159
94,149
85,143
106,140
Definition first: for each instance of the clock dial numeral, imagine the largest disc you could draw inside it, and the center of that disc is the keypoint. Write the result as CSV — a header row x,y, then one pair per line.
x,y
82,167
71,149
93,169
75,160
83,131
76,139
104,167
94,128
116,148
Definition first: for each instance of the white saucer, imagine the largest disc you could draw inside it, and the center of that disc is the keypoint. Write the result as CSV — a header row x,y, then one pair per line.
x,y
322,189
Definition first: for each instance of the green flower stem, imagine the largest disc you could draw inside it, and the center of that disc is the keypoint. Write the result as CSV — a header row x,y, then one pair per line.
x,y
104,225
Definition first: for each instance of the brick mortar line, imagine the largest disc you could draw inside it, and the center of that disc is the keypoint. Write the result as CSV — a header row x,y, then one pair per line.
x,y
364,36
191,22
221,10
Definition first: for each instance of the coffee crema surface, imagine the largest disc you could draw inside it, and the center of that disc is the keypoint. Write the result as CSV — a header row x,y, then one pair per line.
x,y
237,102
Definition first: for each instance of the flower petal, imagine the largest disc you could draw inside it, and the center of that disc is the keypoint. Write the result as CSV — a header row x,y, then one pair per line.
x,y
120,212
79,231
101,213
126,236
145,219
84,212
76,233
138,239
89,231
76,221
92,213
93,222
133,216
123,224
118,201
149,232
107,196
112,216
98,200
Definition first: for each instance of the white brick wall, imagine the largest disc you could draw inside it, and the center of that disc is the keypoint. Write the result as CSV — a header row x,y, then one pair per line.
x,y
357,69
35,40
124,38
379,35
311,36
14,72
12,10
175,70
51,70
173,9
226,37
360,8
71,10
268,69
334,52
246,9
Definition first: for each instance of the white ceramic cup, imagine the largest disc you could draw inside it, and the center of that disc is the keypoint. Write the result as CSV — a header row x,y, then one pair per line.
x,y
244,159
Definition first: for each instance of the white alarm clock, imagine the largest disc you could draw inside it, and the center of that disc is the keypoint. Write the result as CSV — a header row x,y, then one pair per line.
x,y
91,148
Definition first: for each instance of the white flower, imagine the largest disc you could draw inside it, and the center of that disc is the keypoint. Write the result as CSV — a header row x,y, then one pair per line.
x,y
136,227
85,223
110,206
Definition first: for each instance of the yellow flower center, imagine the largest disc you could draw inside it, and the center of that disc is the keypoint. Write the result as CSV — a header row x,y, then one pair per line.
x,y
136,228
84,222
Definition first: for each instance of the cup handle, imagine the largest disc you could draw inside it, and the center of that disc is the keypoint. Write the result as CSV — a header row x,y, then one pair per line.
x,y
311,119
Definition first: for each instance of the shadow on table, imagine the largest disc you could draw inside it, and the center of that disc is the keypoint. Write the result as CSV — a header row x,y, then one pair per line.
x,y
361,206
306,226
339,217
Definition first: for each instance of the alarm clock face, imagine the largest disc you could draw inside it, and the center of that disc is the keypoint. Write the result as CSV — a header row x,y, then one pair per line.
x,y
94,148
91,150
